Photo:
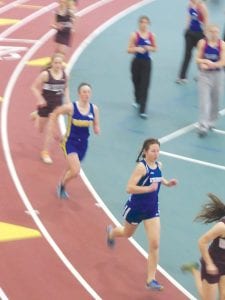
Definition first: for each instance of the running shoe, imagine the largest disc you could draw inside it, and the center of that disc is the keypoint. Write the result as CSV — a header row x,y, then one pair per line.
x,y
190,267
154,285
110,241
135,104
181,80
144,116
61,192
33,115
202,130
45,157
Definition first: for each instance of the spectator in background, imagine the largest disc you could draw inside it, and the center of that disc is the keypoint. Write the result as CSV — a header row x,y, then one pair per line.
x,y
210,60
141,44
196,22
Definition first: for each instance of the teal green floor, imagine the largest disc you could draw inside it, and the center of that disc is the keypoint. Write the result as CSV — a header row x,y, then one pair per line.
x,y
111,158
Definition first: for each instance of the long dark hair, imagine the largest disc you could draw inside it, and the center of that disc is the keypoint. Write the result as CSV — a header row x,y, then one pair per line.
x,y
145,147
212,211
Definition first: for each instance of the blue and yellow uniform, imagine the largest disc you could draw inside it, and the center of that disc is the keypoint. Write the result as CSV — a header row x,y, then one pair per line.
x,y
145,206
76,139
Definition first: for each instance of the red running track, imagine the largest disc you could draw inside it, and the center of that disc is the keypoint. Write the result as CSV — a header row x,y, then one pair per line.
x,y
31,269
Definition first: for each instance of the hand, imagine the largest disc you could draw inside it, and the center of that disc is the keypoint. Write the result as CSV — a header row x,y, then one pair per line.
x,y
204,66
153,187
210,64
172,182
59,26
148,48
141,50
96,129
41,103
212,269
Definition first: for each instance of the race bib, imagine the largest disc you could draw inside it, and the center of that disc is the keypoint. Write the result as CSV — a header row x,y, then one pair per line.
x,y
222,243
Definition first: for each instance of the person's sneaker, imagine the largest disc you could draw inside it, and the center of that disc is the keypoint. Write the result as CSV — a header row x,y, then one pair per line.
x,y
143,116
110,241
189,267
135,104
154,285
61,192
181,80
202,130
33,115
45,157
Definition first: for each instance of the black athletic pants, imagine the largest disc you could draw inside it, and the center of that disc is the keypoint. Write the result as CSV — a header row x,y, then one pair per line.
x,y
191,40
141,73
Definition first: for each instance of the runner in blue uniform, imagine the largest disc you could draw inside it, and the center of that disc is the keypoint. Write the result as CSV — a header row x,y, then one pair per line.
x,y
81,116
143,205
197,20
212,248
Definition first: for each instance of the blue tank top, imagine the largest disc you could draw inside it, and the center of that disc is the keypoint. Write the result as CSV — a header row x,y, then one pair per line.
x,y
212,53
195,20
78,124
152,175
140,42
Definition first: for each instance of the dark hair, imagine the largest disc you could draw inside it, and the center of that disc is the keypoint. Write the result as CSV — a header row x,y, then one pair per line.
x,y
145,147
144,18
83,84
212,211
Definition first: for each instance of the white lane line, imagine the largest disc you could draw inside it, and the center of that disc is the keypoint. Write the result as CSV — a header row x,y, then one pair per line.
x,y
177,133
3,295
92,7
12,170
11,5
192,160
218,131
28,19
186,129
24,41
100,202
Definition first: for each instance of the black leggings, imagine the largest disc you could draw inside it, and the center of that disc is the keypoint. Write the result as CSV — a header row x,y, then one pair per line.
x,y
141,74
191,40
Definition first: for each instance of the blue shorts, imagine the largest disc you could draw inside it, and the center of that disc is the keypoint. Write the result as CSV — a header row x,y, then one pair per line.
x,y
78,146
135,215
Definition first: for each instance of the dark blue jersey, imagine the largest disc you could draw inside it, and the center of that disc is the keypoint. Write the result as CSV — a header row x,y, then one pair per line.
x,y
152,175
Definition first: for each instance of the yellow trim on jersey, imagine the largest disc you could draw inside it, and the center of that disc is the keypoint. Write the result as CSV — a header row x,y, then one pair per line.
x,y
82,123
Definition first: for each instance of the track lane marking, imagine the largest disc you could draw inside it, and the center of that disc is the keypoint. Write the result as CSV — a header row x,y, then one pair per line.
x,y
11,5
27,19
193,160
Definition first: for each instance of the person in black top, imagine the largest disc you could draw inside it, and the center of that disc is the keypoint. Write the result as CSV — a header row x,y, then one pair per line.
x,y
64,24
50,89
212,276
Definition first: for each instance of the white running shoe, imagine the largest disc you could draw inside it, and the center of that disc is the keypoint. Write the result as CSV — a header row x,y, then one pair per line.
x,y
45,157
